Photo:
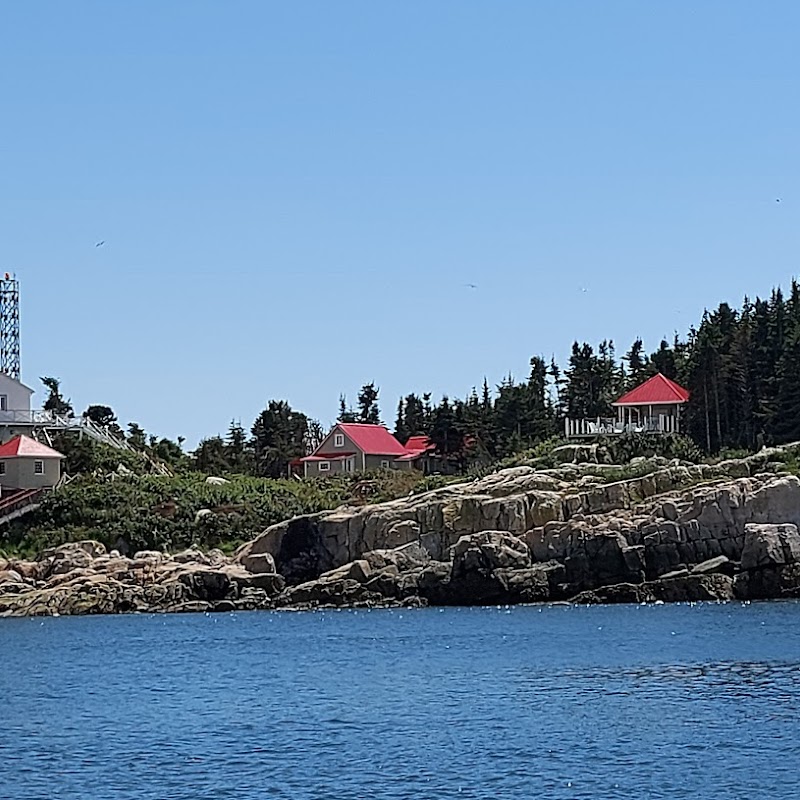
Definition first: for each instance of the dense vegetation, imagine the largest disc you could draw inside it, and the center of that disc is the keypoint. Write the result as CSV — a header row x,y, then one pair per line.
x,y
132,510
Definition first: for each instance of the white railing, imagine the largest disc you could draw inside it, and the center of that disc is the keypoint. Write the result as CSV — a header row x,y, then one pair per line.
x,y
52,421
27,417
612,427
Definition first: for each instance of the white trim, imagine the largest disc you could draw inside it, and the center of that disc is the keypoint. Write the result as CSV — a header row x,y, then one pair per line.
x,y
38,466
324,466
338,440
385,465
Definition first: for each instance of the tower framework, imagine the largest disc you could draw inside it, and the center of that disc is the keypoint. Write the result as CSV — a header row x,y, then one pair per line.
x,y
9,326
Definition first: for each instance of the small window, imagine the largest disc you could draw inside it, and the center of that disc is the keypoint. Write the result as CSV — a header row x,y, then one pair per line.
x,y
338,440
384,465
324,466
38,467
3,402
2,467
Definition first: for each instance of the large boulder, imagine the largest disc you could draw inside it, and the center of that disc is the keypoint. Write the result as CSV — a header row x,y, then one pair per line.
x,y
604,558
204,583
772,582
258,562
684,588
66,558
487,551
406,557
770,545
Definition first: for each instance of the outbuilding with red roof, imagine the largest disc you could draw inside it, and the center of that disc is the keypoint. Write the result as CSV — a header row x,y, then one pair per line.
x,y
28,464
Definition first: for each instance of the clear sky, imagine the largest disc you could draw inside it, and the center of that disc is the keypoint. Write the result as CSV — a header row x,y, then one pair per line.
x,y
294,195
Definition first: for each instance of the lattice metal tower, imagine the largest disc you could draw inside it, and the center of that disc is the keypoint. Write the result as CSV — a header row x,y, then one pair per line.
x,y
9,326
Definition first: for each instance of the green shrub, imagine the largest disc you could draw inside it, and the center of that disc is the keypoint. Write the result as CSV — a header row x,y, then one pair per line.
x,y
624,448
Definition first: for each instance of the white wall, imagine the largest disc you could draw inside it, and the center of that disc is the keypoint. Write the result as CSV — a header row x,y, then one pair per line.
x,y
18,396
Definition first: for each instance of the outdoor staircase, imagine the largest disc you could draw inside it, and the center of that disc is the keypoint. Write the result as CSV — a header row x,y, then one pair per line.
x,y
16,502
49,422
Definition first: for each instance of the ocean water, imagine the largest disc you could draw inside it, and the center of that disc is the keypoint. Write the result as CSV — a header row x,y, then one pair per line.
x,y
684,701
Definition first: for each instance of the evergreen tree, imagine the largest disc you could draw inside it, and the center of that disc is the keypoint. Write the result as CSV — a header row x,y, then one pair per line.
x,y
786,420
55,401
638,365
415,421
279,436
238,450
368,411
558,384
446,434
400,430
210,457
169,452
664,360
136,436
346,413
591,383
104,417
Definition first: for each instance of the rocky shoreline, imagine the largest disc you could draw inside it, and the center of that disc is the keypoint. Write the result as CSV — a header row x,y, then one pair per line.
x,y
522,535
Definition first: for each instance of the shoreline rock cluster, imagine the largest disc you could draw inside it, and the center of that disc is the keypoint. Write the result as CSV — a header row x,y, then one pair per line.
x,y
83,578
522,535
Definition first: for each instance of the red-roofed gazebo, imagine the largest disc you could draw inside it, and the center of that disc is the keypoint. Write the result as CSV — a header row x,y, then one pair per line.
x,y
654,406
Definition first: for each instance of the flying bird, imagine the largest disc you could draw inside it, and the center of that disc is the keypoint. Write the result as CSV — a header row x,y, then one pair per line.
x,y
100,244
470,285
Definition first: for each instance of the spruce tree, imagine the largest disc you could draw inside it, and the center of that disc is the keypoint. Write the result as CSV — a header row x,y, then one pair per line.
x,y
368,411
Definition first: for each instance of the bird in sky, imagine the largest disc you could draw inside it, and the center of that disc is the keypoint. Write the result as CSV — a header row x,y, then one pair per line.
x,y
100,244
470,285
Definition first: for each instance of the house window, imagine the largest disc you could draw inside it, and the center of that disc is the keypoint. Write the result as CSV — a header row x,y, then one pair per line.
x,y
338,440
38,467
324,466
3,402
2,467
384,465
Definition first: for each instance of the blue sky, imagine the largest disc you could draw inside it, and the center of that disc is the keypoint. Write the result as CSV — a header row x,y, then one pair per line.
x,y
294,195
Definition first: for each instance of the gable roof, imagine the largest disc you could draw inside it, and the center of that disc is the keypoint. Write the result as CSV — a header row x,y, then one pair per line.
x,y
25,446
654,391
373,440
418,444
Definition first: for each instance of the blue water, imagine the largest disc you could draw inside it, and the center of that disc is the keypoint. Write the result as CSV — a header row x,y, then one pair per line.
x,y
602,702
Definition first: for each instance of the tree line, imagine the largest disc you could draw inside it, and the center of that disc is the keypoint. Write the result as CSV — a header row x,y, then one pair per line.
x,y
741,367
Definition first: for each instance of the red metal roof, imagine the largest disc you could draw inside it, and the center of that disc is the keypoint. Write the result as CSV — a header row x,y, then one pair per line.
x,y
25,446
374,440
418,444
654,391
